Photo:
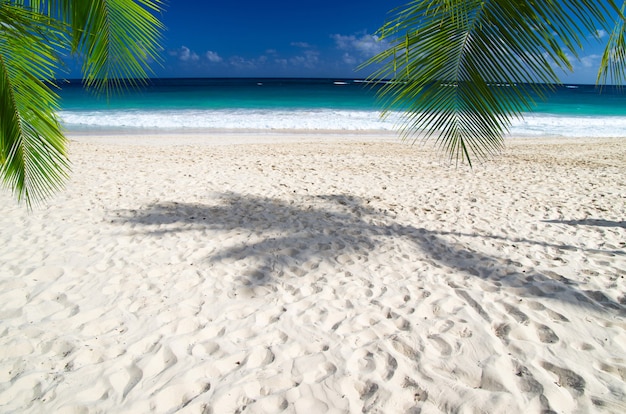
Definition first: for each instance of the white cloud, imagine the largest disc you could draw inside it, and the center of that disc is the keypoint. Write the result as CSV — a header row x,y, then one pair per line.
x,y
590,61
599,34
185,54
213,57
349,59
584,68
308,59
343,42
188,56
365,45
242,63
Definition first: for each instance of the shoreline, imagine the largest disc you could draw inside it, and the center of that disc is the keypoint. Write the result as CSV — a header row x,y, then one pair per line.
x,y
264,136
301,273
227,137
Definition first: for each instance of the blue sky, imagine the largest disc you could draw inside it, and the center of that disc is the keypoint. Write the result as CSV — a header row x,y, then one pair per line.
x,y
284,38
291,38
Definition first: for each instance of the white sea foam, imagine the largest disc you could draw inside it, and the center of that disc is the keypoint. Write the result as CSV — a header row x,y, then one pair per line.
x,y
569,126
322,119
230,119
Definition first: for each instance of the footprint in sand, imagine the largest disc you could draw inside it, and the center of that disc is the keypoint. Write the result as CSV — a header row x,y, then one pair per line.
x,y
546,334
528,384
405,349
502,331
364,362
372,395
536,306
60,348
445,326
325,370
127,379
400,322
69,308
367,390
175,397
392,365
567,378
158,362
313,368
420,394
475,305
517,314
615,370
556,316
445,349
259,357
270,404
602,299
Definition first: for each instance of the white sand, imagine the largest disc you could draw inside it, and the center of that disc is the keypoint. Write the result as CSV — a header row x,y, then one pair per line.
x,y
317,274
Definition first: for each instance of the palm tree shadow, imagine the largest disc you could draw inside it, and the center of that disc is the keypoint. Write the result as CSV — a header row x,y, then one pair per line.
x,y
590,222
284,238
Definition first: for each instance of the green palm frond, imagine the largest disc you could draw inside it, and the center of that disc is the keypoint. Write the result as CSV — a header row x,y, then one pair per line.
x,y
461,70
116,38
613,65
32,147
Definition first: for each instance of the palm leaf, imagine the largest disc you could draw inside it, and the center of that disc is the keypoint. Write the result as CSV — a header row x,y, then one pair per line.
x,y
117,38
613,64
461,70
32,147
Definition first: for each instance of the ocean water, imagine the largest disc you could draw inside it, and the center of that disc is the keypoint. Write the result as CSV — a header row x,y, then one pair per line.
x,y
310,104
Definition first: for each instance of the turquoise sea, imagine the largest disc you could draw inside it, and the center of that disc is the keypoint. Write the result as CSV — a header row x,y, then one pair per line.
x,y
309,104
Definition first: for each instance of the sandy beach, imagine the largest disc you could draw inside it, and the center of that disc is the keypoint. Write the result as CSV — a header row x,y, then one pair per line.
x,y
340,273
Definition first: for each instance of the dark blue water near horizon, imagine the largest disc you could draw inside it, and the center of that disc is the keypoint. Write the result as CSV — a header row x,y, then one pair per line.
x,y
214,93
